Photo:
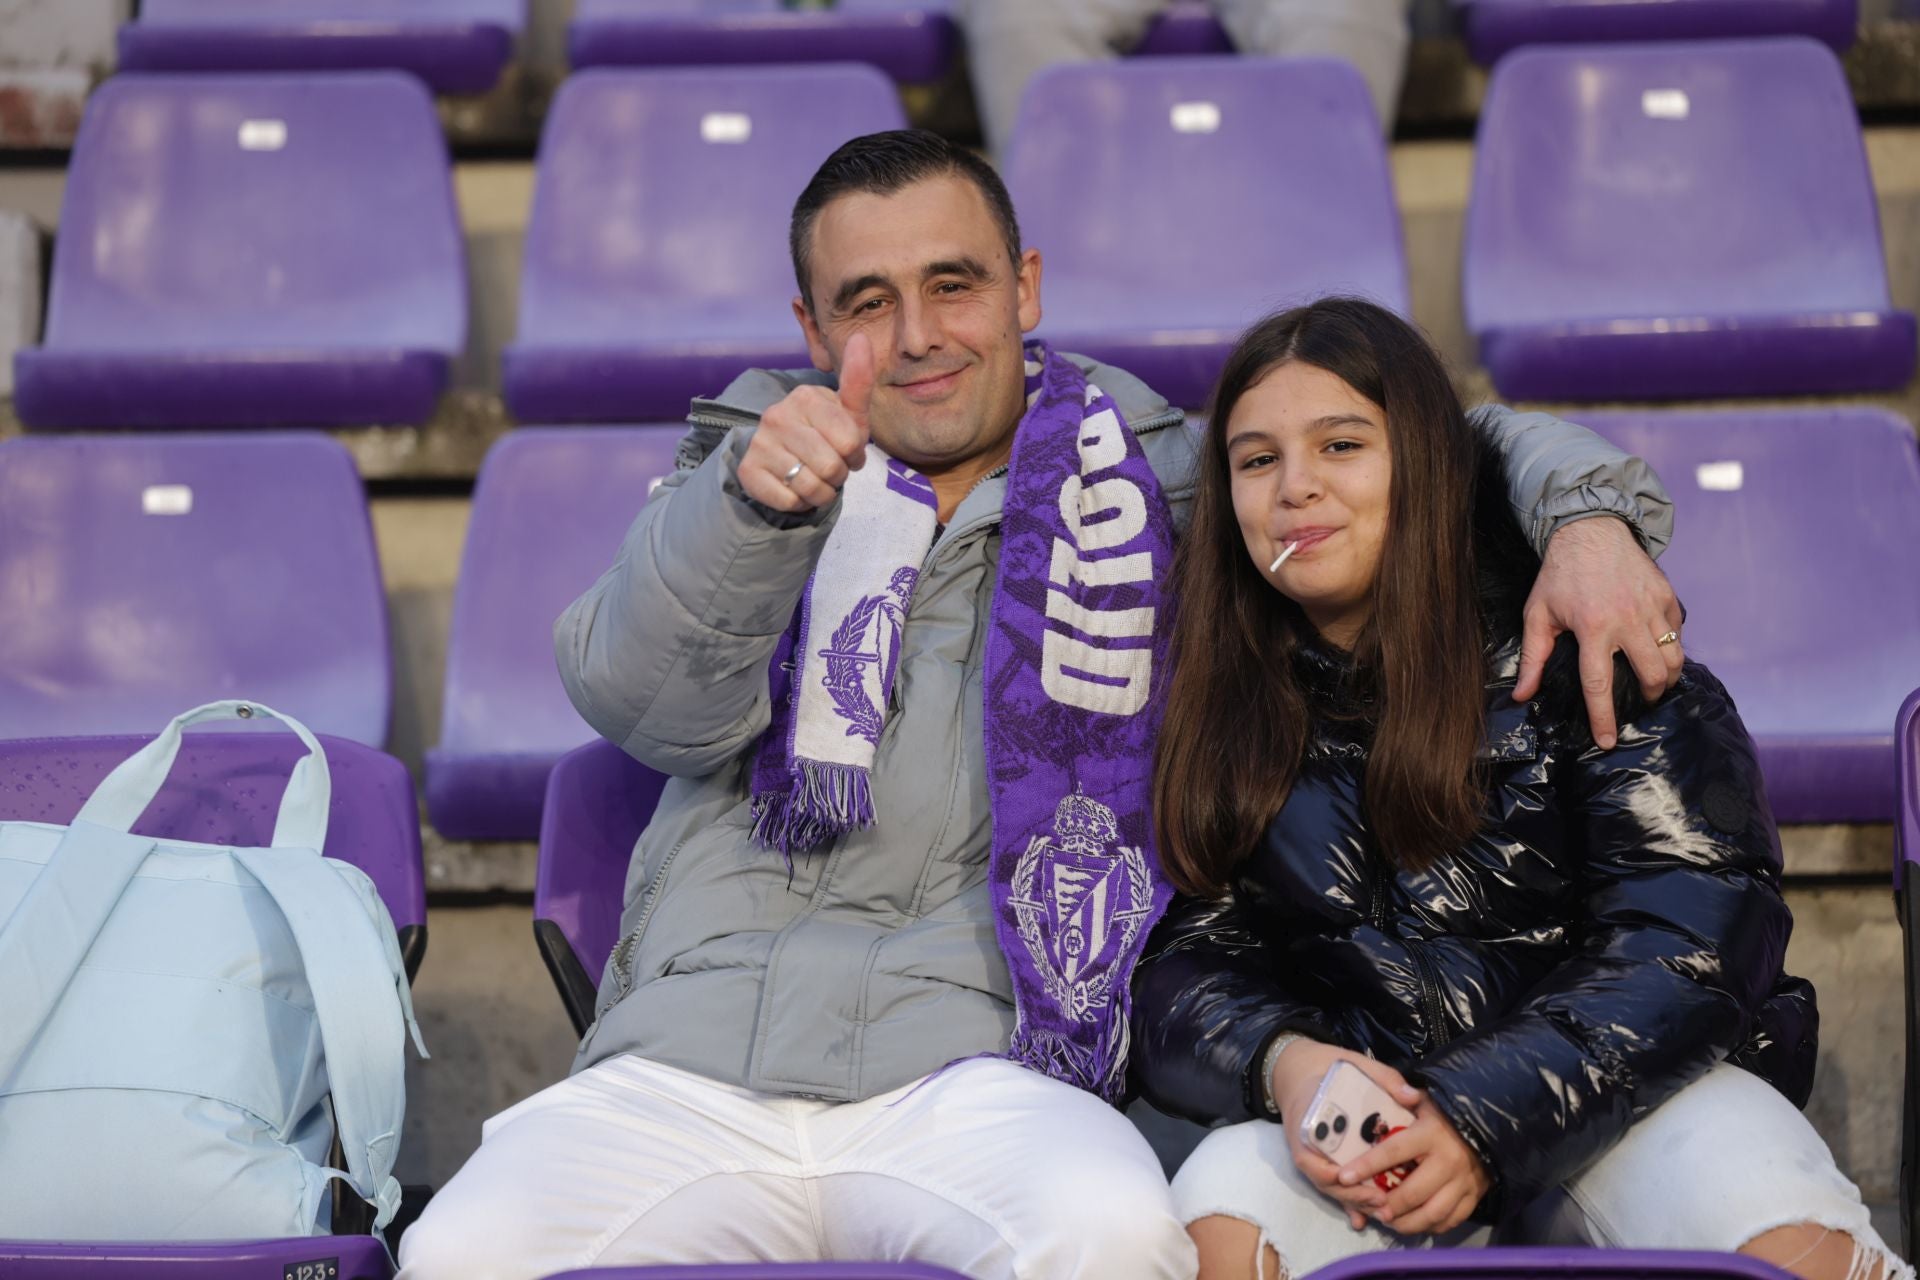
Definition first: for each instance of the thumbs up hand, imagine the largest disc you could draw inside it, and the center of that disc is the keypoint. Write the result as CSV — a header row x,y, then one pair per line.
x,y
806,444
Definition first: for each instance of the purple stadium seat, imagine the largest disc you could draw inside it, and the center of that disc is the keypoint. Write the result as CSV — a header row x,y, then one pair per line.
x,y
1906,836
304,1258
549,511
1185,27
771,1271
656,262
599,800
456,46
1793,554
251,250
1496,27
1548,1264
225,788
142,575
1678,220
1177,200
911,40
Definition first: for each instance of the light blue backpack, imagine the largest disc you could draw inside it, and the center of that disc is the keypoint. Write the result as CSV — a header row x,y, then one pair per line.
x,y
184,1027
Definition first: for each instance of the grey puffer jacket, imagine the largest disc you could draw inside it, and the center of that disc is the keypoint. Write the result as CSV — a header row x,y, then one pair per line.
x,y
873,961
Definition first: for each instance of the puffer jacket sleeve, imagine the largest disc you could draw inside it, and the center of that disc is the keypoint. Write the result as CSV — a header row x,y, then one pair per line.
x,y
1558,472
1680,943
666,655
1205,1007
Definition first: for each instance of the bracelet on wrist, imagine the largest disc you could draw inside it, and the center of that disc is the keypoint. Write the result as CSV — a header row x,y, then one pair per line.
x,y
1268,1060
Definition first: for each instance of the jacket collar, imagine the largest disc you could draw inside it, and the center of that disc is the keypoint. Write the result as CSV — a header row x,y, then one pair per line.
x,y
1511,730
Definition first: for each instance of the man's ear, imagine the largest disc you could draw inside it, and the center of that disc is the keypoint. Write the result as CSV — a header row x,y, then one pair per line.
x,y
1027,284
816,341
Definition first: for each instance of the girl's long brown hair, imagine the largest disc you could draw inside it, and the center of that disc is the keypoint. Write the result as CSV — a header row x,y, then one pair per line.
x,y
1237,719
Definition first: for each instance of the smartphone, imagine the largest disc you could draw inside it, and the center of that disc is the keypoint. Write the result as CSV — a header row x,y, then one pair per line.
x,y
1349,1114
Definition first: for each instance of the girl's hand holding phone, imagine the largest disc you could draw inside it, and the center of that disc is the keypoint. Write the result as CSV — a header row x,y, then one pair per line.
x,y
1441,1193
1296,1079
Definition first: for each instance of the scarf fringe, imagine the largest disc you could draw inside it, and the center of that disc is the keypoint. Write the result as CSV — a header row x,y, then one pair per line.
x,y
1099,1068
827,801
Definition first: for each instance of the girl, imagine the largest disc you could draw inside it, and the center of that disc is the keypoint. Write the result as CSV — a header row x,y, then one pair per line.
x,y
1566,962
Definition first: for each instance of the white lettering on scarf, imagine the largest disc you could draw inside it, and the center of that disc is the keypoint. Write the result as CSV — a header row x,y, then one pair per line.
x,y
1084,673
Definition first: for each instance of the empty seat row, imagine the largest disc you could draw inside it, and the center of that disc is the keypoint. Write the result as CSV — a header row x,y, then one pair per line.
x,y
284,250
461,46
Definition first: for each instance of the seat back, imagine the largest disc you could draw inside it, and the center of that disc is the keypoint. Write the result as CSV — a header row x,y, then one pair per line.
x,y
302,1258
661,206
1495,27
772,1271
911,40
1180,199
1794,537
1510,1263
455,46
258,213
1670,182
225,789
140,575
1906,746
1906,835
318,14
599,800
549,511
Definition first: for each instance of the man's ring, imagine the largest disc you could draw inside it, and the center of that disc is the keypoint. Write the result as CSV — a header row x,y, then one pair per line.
x,y
793,471
1672,637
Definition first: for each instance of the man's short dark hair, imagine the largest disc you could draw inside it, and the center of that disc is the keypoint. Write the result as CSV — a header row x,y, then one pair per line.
x,y
881,164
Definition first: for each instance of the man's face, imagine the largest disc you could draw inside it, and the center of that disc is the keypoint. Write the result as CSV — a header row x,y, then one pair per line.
x,y
924,274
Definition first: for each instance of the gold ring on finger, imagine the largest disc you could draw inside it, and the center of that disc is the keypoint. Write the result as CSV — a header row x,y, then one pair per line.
x,y
1672,637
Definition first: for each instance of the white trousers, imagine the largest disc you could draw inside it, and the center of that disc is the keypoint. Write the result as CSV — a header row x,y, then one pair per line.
x,y
986,1168
1723,1161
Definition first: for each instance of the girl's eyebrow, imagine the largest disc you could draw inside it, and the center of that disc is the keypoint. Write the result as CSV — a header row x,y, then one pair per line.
x,y
1329,422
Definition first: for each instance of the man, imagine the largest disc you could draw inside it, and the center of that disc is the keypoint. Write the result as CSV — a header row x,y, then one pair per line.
x,y
1009,41
808,1056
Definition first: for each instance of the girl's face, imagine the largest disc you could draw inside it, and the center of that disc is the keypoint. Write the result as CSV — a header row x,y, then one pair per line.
x,y
1309,463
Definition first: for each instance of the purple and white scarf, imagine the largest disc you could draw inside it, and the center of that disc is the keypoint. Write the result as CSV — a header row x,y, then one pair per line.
x,y
833,670
1072,707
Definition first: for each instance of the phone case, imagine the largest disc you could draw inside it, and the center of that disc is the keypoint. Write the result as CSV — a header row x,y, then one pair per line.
x,y
1349,1114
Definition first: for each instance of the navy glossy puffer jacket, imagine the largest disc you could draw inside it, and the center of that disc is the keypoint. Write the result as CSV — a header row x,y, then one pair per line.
x,y
1614,930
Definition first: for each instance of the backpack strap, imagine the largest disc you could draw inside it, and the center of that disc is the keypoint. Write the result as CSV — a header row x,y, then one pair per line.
x,y
124,794
362,1019
44,941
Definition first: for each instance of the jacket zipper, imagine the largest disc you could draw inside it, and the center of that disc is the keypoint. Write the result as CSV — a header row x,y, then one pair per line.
x,y
1431,1005
623,953
1430,999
